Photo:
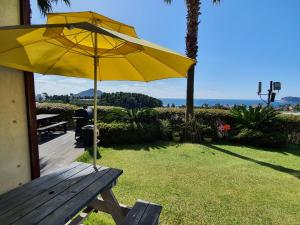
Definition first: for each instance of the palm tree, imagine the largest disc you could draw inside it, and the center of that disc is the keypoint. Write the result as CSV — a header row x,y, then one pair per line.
x,y
193,13
45,6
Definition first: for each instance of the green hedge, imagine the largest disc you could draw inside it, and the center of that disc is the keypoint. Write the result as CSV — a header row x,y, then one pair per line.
x,y
125,133
66,111
176,116
287,123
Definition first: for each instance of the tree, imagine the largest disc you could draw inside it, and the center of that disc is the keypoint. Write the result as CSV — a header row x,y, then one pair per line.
x,y
45,6
193,13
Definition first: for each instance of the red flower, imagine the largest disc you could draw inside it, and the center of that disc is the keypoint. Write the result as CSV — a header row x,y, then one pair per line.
x,y
224,127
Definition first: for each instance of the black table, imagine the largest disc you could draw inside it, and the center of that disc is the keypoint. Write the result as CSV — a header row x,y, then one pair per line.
x,y
57,197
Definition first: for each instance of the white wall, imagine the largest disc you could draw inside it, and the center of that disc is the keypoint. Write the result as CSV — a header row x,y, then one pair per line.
x,y
14,146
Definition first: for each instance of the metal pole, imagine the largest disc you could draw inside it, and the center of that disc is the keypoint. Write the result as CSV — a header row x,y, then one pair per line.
x,y
95,100
270,93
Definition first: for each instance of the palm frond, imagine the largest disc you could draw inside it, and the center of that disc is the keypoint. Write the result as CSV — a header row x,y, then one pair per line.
x,y
45,6
168,1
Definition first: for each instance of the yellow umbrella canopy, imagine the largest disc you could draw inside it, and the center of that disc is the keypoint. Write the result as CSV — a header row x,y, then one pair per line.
x,y
69,50
93,18
88,51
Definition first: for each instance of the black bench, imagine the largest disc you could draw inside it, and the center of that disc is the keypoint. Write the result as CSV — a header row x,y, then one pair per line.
x,y
143,213
54,125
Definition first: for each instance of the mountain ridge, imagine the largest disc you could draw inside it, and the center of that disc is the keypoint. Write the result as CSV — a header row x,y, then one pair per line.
x,y
88,93
291,99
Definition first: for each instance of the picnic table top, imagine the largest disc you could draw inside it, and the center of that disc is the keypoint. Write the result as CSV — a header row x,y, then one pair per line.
x,y
45,116
57,197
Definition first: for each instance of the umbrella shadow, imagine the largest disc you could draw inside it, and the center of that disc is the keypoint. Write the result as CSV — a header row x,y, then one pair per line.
x,y
144,147
295,173
46,137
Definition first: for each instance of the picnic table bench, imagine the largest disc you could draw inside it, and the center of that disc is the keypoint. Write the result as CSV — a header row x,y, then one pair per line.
x,y
56,199
45,124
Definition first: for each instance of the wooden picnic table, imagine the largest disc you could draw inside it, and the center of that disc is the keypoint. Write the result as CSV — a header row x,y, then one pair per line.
x,y
57,197
45,116
46,124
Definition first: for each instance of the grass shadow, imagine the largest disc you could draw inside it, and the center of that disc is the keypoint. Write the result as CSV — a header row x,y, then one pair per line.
x,y
289,149
144,147
295,173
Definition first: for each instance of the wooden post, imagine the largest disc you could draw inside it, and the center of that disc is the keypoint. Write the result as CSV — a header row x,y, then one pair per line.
x,y
113,206
25,12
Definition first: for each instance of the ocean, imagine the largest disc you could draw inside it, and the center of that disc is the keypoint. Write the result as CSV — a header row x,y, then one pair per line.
x,y
224,102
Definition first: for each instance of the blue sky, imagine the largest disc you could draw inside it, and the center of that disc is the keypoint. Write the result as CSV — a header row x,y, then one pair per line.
x,y
241,43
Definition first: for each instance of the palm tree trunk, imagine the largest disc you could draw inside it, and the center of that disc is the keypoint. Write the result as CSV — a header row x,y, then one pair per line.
x,y
193,13
190,94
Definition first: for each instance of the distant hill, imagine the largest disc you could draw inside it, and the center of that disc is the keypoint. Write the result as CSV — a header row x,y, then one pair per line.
x,y
291,99
88,93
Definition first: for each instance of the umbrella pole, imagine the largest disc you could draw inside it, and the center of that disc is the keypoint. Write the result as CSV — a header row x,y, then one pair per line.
x,y
95,102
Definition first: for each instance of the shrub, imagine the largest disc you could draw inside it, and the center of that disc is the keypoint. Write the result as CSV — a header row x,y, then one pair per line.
x,y
209,132
103,111
126,133
116,115
193,131
259,138
165,129
253,118
130,115
66,111
176,116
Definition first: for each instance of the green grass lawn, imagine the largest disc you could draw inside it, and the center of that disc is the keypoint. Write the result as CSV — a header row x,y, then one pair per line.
x,y
208,184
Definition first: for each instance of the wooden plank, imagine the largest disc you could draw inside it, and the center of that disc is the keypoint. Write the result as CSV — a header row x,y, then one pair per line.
x,y
113,206
99,205
25,208
151,215
81,217
32,191
143,213
66,211
45,116
135,214
52,125
29,186
58,204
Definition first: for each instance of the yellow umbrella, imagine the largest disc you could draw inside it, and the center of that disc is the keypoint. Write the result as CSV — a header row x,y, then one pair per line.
x,y
88,51
93,18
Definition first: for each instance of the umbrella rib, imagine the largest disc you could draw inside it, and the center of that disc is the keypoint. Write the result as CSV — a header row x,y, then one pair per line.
x,y
88,53
32,43
130,63
68,50
162,62
73,51
114,47
133,66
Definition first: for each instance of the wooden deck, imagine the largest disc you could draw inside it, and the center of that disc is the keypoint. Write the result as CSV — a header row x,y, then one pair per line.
x,y
57,151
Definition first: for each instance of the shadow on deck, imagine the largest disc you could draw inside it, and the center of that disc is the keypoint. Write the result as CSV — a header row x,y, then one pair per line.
x,y
58,150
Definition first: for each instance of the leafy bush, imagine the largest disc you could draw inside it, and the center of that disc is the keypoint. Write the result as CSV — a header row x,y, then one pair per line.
x,y
103,111
209,132
259,138
165,129
193,131
66,111
253,118
259,126
147,116
116,115
134,116
126,133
